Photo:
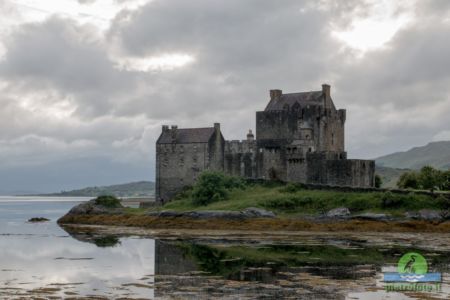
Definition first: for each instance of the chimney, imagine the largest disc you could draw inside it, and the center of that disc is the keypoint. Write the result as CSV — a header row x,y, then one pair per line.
x,y
326,93
275,94
326,90
165,128
174,133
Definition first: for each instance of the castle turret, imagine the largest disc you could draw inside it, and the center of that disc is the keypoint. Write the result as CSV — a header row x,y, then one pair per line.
x,y
250,136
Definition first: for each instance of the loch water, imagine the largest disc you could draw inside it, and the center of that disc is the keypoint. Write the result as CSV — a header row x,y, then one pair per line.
x,y
43,260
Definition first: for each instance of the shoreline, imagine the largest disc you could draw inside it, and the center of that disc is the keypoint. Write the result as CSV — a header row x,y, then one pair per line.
x,y
254,224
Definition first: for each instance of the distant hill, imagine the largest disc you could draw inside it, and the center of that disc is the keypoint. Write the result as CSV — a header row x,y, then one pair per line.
x,y
435,154
133,189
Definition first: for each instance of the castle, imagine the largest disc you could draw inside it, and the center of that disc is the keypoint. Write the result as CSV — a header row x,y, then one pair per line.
x,y
299,138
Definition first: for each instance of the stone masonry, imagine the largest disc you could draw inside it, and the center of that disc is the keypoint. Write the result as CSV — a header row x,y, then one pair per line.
x,y
299,138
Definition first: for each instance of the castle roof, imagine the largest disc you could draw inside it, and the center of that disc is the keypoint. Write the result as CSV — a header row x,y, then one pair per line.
x,y
186,135
314,98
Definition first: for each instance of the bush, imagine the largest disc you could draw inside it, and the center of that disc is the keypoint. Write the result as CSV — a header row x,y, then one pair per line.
x,y
292,188
378,181
408,180
108,201
214,186
428,178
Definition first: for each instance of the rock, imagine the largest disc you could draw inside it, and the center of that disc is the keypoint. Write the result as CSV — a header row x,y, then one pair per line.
x,y
340,212
412,215
430,215
36,220
216,214
90,208
372,217
254,212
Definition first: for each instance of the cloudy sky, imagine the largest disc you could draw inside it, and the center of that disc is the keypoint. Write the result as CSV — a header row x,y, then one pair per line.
x,y
85,85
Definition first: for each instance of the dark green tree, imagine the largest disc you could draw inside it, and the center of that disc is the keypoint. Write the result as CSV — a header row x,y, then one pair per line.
x,y
408,180
378,181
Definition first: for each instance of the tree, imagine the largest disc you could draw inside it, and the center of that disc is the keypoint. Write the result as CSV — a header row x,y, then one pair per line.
x,y
408,180
430,178
378,181
214,186
427,178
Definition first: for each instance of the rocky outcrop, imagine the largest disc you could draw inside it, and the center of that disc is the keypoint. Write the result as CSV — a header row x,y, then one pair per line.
x,y
372,217
340,212
91,208
428,215
248,213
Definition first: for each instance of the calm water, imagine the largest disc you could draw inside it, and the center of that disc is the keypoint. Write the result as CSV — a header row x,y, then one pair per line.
x,y
40,258
44,260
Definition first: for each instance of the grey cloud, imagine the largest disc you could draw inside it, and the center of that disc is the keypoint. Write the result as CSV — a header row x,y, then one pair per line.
x,y
242,49
60,54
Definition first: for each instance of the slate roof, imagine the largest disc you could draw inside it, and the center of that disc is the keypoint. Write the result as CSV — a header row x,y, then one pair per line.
x,y
303,98
187,135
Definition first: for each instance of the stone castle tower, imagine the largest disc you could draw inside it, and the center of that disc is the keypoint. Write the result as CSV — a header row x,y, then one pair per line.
x,y
299,138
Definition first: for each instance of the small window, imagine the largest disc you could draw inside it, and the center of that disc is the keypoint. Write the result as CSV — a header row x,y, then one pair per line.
x,y
310,149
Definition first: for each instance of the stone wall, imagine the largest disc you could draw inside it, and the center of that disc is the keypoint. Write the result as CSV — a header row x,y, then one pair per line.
x,y
343,172
240,158
178,165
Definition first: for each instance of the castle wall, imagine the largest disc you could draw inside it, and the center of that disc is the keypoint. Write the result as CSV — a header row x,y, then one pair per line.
x,y
216,150
240,158
330,169
178,165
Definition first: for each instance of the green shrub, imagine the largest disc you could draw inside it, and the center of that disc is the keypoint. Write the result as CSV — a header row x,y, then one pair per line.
x,y
214,186
378,181
292,188
108,201
427,178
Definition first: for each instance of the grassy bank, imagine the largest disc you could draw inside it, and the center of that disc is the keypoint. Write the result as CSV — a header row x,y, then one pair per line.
x,y
270,224
291,200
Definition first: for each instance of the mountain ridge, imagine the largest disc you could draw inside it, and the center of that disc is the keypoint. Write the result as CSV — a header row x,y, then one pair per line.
x,y
435,154
131,189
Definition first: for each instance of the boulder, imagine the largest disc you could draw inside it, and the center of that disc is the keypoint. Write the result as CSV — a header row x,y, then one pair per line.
x,y
372,217
412,215
430,215
340,212
254,212
38,220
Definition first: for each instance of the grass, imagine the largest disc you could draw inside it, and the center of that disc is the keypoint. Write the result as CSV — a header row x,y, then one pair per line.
x,y
291,202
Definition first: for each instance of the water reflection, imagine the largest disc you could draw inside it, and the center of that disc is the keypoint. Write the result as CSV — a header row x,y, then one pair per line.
x,y
42,260
45,260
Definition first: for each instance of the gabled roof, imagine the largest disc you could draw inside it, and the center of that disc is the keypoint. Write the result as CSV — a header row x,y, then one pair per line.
x,y
186,135
314,98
